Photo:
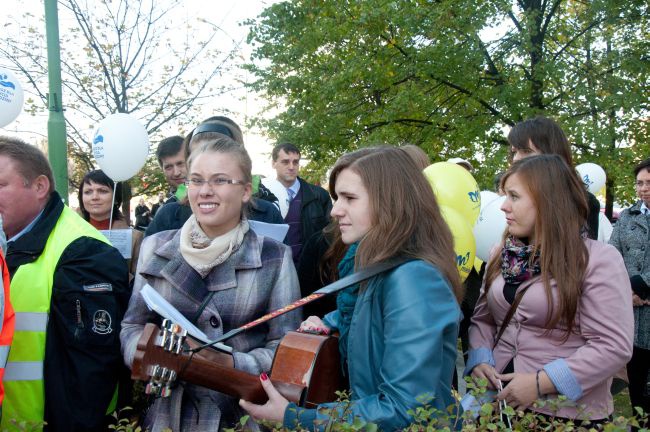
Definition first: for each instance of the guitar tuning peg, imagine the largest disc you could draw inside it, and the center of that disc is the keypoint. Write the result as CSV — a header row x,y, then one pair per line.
x,y
165,333
166,391
178,344
152,388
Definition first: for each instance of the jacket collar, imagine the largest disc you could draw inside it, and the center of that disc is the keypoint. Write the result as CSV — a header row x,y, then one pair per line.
x,y
168,263
30,245
307,192
636,208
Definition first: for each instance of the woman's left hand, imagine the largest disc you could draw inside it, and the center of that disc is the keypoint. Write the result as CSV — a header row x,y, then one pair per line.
x,y
521,391
273,409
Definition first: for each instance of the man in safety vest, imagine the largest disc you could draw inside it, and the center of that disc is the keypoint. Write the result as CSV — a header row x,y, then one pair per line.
x,y
69,289
7,315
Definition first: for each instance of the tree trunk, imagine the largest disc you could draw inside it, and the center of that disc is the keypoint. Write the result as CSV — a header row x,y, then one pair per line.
x,y
126,201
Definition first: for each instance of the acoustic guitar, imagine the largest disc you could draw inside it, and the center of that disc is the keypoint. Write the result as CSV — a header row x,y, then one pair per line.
x,y
305,368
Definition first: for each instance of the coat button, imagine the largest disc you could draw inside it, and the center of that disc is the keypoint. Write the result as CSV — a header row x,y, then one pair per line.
x,y
214,321
633,228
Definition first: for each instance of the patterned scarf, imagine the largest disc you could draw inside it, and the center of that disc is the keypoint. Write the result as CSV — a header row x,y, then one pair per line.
x,y
516,263
346,300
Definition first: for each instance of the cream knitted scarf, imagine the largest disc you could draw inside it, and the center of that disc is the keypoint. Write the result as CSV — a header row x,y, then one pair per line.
x,y
203,254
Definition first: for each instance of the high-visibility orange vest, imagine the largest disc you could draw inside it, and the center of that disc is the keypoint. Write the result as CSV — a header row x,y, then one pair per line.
x,y
8,322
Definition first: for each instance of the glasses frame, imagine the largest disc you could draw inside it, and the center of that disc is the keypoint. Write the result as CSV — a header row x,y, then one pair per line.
x,y
212,183
640,184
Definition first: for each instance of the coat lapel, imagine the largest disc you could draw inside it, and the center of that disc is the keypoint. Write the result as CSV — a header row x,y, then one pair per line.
x,y
168,263
248,256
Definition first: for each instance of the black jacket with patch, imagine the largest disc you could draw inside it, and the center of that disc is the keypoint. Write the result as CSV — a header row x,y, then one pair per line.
x,y
82,350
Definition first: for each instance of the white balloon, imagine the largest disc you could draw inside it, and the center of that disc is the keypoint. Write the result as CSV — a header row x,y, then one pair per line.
x,y
11,97
489,227
487,197
120,146
592,175
280,192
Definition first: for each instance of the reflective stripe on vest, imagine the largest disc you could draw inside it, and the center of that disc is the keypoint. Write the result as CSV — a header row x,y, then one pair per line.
x,y
24,371
31,321
31,292
4,354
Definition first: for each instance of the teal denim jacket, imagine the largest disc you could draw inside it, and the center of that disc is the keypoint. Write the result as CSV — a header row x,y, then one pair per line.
x,y
402,345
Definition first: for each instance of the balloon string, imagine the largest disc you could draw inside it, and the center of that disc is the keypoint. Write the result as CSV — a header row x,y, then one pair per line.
x,y
110,219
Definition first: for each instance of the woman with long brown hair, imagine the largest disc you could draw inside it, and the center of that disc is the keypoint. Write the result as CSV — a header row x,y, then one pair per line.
x,y
555,313
397,331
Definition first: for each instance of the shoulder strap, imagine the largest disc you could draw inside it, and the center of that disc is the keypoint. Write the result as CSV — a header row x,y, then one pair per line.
x,y
356,277
510,314
363,274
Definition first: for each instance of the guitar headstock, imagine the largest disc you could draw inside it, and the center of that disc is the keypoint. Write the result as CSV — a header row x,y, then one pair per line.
x,y
158,357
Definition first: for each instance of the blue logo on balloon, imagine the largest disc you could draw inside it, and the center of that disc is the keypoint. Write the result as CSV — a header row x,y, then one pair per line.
x,y
98,138
4,82
462,260
474,196
586,180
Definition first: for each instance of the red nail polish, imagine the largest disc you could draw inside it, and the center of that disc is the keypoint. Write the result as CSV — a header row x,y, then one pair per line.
x,y
264,376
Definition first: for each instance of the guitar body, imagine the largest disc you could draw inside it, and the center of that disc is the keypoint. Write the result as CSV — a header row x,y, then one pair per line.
x,y
305,368
312,361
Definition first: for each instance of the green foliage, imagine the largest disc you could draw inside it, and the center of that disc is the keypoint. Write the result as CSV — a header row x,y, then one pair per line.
x,y
123,423
452,75
26,426
426,418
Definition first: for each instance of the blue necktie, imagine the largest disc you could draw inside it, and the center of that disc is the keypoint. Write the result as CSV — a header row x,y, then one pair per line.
x,y
290,196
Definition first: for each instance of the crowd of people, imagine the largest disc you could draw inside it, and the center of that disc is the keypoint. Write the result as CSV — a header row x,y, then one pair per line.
x,y
556,310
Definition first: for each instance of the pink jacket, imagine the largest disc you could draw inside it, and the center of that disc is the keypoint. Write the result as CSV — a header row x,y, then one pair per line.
x,y
580,368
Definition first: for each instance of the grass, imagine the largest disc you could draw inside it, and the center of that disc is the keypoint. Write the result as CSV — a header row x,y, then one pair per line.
x,y
622,405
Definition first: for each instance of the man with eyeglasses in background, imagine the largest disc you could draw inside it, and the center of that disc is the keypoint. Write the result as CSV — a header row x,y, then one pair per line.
x,y
631,237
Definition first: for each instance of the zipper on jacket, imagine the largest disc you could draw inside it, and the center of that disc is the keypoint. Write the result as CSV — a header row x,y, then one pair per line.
x,y
80,323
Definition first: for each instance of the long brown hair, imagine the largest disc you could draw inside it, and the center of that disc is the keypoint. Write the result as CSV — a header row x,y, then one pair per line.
x,y
561,206
406,219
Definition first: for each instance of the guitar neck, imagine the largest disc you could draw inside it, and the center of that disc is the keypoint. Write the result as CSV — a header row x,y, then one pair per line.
x,y
215,376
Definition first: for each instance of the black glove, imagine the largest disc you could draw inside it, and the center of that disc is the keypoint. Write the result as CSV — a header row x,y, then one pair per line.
x,y
639,287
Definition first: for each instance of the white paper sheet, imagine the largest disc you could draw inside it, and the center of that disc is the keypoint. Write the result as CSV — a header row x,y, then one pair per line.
x,y
158,304
275,231
121,239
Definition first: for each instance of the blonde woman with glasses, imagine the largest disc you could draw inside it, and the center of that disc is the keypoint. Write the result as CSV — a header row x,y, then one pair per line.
x,y
220,275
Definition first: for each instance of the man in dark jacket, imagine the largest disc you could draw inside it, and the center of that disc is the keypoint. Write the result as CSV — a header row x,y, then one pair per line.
x,y
69,288
309,205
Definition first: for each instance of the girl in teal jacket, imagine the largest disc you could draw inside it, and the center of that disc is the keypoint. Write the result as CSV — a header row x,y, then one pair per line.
x,y
398,331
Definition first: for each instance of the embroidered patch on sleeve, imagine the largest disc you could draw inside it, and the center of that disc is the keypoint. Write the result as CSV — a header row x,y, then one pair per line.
x,y
102,322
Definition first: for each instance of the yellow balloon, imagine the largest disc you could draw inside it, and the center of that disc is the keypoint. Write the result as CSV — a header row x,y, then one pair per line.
x,y
478,262
455,187
464,244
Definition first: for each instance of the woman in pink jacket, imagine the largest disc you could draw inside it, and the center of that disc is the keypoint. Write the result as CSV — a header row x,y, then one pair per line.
x,y
555,312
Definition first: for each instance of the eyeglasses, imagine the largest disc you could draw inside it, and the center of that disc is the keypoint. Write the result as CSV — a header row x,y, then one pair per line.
x,y
214,182
642,183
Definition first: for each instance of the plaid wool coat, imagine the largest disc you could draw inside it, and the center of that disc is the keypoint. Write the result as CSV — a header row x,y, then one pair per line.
x,y
631,236
257,278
